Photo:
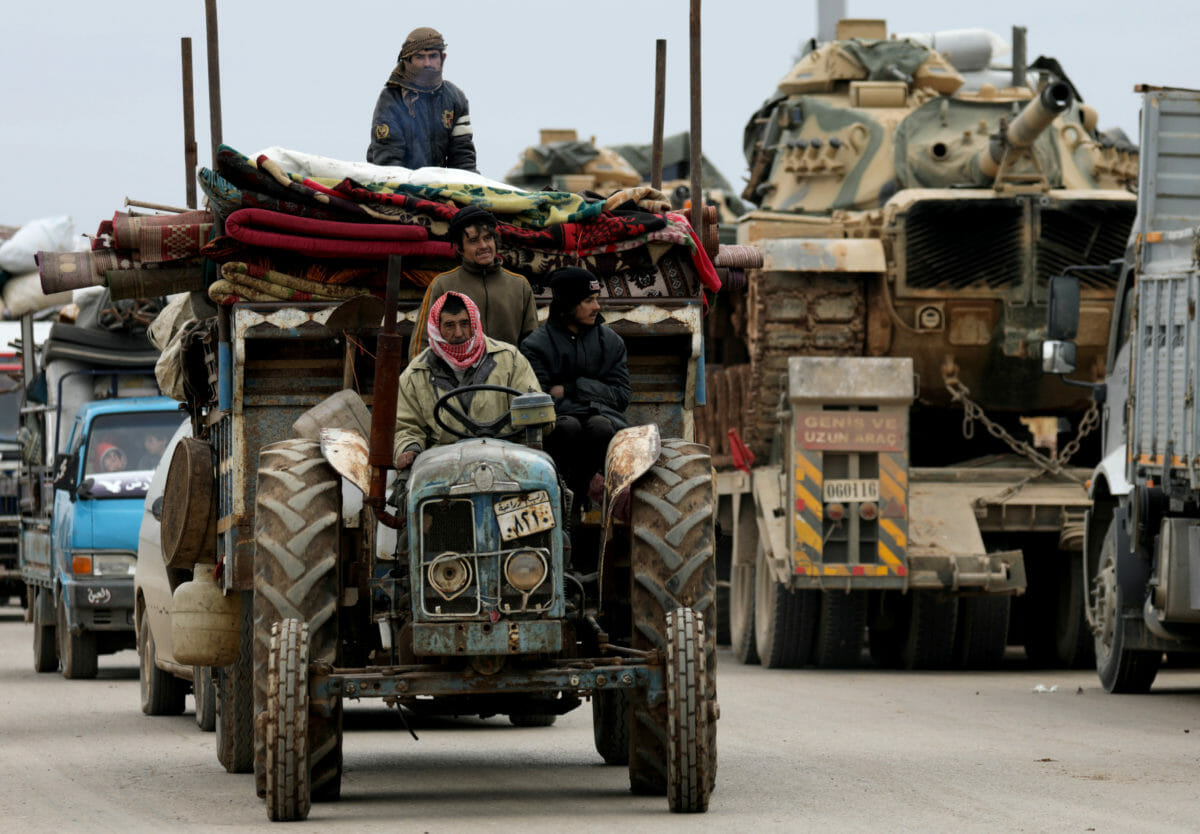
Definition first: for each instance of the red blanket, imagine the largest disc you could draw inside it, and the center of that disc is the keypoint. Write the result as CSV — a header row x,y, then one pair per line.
x,y
331,238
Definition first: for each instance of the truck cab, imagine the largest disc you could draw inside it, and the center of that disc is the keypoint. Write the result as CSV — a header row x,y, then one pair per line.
x,y
89,552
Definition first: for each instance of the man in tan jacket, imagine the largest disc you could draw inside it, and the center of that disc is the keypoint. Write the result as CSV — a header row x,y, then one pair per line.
x,y
459,354
504,299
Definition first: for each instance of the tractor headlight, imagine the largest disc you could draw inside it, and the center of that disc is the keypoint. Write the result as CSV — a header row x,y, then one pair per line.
x,y
449,575
525,570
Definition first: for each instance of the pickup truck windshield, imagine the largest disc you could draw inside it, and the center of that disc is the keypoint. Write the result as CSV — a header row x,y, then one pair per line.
x,y
131,442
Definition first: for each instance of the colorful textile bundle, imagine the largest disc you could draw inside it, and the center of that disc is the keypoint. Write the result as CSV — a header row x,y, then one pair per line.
x,y
161,237
248,282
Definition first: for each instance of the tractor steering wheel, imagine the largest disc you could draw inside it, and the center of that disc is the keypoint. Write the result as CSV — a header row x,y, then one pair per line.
x,y
490,429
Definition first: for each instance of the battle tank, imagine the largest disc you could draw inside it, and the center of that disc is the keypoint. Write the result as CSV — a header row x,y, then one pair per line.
x,y
913,201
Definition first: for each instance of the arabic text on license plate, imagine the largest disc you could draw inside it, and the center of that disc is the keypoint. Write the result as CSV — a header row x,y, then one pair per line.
x,y
522,515
866,489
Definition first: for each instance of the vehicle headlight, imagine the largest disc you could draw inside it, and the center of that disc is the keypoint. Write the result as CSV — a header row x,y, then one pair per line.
x,y
113,564
525,570
449,574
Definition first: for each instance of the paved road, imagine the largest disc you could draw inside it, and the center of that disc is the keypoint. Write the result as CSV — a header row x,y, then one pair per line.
x,y
799,751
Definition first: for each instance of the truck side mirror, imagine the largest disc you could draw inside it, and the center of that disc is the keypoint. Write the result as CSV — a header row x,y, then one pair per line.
x,y
1058,356
85,489
64,471
1062,310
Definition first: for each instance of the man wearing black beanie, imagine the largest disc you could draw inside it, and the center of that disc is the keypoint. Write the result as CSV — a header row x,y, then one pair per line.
x,y
581,363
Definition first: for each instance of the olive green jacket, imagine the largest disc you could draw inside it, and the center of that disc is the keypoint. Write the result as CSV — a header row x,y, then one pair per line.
x,y
505,301
428,377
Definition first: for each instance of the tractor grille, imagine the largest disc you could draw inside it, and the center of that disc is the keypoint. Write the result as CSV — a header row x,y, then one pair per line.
x,y
990,247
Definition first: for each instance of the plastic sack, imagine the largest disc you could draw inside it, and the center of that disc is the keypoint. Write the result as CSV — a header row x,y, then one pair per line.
x,y
49,234
23,294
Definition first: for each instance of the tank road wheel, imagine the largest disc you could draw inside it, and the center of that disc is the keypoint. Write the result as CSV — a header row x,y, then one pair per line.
x,y
162,693
929,643
1121,670
784,620
610,724
285,727
45,648
673,565
76,652
982,631
297,532
688,782
841,627
234,685
205,696
741,587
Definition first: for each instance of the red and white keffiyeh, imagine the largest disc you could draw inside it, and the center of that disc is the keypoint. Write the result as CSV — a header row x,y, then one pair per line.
x,y
458,356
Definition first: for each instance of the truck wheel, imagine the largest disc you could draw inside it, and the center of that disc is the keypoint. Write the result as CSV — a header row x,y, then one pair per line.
x,y
297,533
162,693
1121,670
841,627
76,652
889,613
286,724
982,633
610,725
688,782
784,620
45,648
205,696
741,588
1073,639
929,643
234,685
672,565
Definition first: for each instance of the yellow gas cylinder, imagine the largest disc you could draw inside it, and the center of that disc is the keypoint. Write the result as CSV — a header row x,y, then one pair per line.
x,y
205,623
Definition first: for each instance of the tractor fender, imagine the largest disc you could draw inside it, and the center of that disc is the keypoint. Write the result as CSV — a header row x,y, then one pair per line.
x,y
346,450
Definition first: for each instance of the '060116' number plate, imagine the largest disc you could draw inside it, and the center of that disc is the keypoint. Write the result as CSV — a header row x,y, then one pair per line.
x,y
522,515
851,490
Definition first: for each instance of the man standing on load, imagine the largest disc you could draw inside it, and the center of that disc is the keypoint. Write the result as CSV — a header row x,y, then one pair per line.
x,y
505,299
420,120
459,354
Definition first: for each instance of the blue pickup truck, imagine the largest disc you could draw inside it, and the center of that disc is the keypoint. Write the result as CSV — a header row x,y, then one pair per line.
x,y
78,554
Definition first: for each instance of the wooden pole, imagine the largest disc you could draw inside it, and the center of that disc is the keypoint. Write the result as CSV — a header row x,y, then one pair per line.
x,y
695,156
660,95
214,76
189,122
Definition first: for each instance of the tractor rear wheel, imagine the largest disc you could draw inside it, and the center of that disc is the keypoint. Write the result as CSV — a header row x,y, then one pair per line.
x,y
285,727
673,565
297,534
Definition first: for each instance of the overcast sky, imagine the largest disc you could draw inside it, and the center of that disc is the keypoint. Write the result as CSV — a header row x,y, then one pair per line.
x,y
93,106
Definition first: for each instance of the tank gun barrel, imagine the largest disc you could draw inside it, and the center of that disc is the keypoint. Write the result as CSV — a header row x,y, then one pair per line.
x,y
1035,117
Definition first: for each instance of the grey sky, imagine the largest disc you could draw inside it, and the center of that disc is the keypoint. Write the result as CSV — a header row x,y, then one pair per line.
x,y
93,113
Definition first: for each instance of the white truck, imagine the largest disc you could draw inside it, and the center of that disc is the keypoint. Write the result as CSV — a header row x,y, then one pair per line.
x,y
1142,539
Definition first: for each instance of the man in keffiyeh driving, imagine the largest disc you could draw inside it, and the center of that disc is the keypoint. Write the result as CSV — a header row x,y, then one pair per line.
x,y
459,354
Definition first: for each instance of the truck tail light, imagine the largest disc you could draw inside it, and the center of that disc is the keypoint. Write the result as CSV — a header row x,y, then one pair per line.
x,y
868,510
835,512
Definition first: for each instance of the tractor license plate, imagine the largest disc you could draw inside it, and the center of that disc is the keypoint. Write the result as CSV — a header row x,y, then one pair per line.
x,y
522,515
858,489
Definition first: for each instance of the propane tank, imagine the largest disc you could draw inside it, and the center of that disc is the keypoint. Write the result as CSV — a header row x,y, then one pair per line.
x,y
205,623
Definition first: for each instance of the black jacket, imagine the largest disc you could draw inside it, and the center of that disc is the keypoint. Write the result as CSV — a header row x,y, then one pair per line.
x,y
438,134
591,367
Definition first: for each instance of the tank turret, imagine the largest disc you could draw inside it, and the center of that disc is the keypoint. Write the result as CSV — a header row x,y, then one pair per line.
x,y
1053,100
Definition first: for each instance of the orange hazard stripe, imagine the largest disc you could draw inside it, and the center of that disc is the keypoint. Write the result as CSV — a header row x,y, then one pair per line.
x,y
897,535
894,471
809,512
846,570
